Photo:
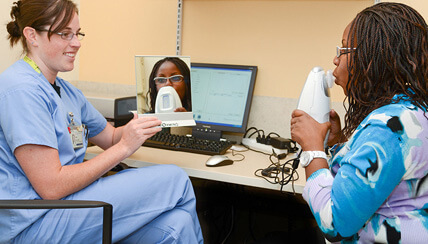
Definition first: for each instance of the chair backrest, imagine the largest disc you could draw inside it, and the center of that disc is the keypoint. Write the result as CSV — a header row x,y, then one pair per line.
x,y
64,204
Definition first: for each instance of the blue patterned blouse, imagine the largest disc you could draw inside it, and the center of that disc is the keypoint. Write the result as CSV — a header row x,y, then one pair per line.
x,y
376,188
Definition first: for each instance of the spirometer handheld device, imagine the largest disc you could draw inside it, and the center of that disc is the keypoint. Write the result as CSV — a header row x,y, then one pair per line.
x,y
315,96
167,100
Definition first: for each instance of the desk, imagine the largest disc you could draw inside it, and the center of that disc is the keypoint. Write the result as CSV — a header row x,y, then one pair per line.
x,y
241,173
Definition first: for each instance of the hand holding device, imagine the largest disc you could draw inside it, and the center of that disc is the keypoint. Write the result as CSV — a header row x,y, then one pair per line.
x,y
335,136
315,96
315,101
137,131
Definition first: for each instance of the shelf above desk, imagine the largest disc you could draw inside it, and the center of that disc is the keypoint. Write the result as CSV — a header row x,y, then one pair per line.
x,y
241,172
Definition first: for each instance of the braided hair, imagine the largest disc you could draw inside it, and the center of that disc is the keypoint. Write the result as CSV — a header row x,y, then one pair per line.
x,y
185,72
391,57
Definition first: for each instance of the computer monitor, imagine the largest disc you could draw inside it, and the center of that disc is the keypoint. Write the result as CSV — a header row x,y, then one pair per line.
x,y
221,98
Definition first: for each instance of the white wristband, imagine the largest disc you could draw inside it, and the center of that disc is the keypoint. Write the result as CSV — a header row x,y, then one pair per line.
x,y
307,156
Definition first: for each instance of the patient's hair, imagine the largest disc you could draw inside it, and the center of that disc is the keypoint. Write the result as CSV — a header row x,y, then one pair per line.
x,y
391,57
40,15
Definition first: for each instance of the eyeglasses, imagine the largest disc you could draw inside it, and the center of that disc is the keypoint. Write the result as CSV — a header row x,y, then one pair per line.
x,y
68,35
343,50
163,80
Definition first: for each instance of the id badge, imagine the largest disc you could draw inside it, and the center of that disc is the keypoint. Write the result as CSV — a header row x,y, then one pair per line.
x,y
76,132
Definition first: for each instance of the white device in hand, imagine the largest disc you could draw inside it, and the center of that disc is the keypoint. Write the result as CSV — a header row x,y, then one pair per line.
x,y
315,96
167,100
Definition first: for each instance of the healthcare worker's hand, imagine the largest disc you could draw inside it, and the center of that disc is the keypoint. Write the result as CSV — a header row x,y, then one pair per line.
x,y
308,132
138,130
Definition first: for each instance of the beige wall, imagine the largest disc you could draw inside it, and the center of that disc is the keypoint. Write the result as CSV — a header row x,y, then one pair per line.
x,y
284,38
119,30
7,55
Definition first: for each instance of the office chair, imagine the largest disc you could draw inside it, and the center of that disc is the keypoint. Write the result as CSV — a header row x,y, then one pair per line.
x,y
64,204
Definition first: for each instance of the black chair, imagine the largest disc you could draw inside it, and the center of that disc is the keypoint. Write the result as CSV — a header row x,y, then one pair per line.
x,y
63,204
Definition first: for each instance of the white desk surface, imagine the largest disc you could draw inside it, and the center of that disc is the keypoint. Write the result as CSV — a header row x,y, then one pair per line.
x,y
241,172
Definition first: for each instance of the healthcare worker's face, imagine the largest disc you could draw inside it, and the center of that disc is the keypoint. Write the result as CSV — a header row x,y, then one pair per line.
x,y
341,70
58,54
168,69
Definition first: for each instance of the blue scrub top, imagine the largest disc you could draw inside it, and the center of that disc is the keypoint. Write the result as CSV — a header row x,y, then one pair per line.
x,y
31,112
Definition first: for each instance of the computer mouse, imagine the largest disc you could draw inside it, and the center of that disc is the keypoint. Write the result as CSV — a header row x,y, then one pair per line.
x,y
218,160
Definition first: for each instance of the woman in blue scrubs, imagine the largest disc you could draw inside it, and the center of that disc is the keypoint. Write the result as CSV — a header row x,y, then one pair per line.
x,y
45,126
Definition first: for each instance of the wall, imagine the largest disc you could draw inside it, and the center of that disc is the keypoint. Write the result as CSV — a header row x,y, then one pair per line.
x,y
285,39
119,30
7,55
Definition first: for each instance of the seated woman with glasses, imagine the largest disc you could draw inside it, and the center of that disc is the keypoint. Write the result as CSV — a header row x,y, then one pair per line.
x,y
374,189
171,71
46,125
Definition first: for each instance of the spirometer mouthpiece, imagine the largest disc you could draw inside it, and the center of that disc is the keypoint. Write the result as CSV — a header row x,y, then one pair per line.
x,y
329,78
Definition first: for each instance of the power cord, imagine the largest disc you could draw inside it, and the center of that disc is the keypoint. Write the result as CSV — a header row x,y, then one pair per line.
x,y
277,173
273,139
231,225
234,153
261,138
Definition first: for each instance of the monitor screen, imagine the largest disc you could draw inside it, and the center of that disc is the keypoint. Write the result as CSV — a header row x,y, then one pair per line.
x,y
222,95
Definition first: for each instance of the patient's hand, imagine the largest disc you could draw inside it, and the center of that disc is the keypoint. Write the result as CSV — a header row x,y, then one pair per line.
x,y
336,135
180,109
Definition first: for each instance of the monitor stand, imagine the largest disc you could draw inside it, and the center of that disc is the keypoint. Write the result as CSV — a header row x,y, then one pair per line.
x,y
200,132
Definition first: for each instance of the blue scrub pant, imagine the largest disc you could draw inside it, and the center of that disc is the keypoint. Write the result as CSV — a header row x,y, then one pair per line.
x,y
150,205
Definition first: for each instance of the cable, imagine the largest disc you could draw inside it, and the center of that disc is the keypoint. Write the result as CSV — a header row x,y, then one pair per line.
x,y
258,133
277,173
290,177
234,153
231,226
249,129
294,168
274,133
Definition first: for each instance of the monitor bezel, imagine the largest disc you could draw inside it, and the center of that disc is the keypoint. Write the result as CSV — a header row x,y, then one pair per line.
x,y
244,123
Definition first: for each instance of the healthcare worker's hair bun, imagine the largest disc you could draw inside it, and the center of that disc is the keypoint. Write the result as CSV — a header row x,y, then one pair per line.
x,y
13,27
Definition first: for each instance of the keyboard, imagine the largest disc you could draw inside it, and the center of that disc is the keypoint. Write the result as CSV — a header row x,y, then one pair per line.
x,y
187,144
